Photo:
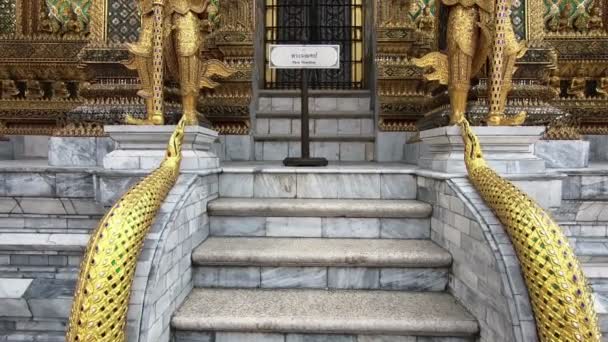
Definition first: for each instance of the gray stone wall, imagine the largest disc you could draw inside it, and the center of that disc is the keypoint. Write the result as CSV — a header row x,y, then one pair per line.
x,y
598,151
485,274
588,185
45,220
164,273
46,217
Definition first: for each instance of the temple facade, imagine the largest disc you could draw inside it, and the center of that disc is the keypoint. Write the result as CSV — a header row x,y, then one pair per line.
x,y
398,239
74,80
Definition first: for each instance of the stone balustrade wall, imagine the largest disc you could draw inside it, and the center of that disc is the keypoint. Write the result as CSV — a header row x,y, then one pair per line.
x,y
485,275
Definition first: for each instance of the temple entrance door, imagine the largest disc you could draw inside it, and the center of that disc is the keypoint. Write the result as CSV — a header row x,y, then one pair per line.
x,y
318,22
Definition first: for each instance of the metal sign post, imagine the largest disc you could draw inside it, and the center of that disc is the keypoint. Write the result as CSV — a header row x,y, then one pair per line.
x,y
305,57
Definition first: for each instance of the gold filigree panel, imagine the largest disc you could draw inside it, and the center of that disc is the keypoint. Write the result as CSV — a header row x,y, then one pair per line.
x,y
122,21
8,16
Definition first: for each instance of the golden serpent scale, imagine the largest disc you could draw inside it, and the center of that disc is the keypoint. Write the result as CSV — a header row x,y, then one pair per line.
x,y
99,311
560,295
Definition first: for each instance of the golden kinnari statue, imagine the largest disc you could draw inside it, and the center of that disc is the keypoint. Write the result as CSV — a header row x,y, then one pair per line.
x,y
172,33
477,30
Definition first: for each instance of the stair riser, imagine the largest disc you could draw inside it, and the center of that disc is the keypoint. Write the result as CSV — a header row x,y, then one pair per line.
x,y
320,227
315,104
38,224
347,151
591,250
187,336
318,186
50,264
318,127
402,279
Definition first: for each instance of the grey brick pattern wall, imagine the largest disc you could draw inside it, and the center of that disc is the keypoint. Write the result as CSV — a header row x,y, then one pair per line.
x,y
485,274
46,217
164,272
45,220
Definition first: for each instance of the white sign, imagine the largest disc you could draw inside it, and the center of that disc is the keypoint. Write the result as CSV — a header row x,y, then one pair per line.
x,y
304,56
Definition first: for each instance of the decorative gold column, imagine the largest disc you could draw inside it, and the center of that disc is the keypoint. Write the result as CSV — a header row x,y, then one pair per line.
x,y
535,11
99,21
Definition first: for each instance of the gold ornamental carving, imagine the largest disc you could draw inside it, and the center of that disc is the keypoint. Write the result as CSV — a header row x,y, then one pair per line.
x,y
171,37
559,291
99,310
404,29
477,30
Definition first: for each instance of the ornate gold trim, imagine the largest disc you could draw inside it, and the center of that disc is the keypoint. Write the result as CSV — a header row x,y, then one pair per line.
x,y
19,16
99,21
535,28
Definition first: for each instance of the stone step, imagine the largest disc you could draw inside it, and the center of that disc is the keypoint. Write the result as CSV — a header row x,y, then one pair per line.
x,y
600,300
406,265
323,127
21,242
317,138
344,149
296,115
32,336
320,252
344,102
351,208
331,183
41,255
597,274
387,219
198,336
35,309
591,249
323,312
55,224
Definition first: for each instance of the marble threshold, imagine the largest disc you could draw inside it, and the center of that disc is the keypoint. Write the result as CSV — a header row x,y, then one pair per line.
x,y
270,167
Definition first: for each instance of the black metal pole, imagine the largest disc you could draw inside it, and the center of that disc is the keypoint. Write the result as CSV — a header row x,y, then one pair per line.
x,y
305,116
305,159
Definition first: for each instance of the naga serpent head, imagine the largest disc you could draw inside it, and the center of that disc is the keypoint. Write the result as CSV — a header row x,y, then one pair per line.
x,y
174,149
473,155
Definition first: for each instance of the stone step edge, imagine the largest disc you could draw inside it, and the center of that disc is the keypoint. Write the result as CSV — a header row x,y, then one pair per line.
x,y
315,93
317,138
355,114
597,271
431,314
261,207
298,252
43,242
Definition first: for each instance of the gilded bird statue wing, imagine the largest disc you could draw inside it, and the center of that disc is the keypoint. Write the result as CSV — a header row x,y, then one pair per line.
x,y
214,68
435,65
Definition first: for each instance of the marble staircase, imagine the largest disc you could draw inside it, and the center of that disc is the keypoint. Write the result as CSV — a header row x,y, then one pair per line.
x,y
302,255
341,127
44,230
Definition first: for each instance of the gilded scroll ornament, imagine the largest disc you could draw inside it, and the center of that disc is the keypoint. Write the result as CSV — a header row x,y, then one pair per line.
x,y
559,292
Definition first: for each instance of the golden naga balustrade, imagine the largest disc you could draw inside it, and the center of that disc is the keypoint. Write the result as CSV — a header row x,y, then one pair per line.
x,y
560,295
99,311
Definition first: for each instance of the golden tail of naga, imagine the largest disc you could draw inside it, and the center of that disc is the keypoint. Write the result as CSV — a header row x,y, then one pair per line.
x,y
559,292
99,311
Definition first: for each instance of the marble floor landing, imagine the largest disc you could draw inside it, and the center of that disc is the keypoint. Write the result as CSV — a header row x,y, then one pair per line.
x,y
37,165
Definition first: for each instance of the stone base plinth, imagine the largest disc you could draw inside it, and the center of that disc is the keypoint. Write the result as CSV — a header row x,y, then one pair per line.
x,y
509,150
570,154
79,151
144,147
